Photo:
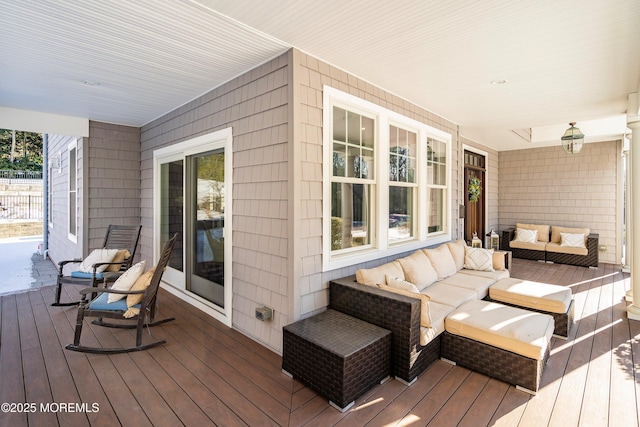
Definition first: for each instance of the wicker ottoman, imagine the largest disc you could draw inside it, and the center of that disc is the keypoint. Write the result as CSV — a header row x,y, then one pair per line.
x,y
544,298
507,343
337,355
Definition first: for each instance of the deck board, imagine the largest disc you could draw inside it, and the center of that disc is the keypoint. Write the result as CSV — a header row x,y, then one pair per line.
x,y
209,374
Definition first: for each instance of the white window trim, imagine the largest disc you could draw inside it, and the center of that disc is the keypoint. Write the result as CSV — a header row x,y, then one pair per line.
x,y
182,150
380,244
72,146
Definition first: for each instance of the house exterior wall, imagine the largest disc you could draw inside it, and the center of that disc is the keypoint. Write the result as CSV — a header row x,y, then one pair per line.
x,y
60,247
311,75
256,106
113,180
547,186
275,112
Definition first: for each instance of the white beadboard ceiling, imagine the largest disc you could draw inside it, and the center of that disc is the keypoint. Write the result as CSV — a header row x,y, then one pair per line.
x,y
129,62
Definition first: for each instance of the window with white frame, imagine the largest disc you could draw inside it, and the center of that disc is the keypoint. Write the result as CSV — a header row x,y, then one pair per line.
x,y
403,185
352,180
387,181
72,152
437,188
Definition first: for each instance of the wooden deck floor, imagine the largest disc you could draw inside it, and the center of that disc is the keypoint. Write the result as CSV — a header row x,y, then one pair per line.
x,y
208,374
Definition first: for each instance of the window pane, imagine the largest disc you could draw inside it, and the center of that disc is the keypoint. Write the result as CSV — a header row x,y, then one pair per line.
x,y
368,132
339,124
402,152
436,210
350,215
400,213
353,128
73,214
436,162
172,208
339,157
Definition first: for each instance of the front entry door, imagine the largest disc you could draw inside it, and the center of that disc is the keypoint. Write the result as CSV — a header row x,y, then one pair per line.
x,y
474,189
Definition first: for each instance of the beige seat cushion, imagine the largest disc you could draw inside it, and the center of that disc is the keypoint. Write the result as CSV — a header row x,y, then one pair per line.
x,y
377,276
573,250
525,293
438,312
514,329
447,294
539,246
495,275
543,230
480,285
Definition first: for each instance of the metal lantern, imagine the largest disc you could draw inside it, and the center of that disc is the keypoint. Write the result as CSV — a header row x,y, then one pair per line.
x,y
475,241
494,240
572,140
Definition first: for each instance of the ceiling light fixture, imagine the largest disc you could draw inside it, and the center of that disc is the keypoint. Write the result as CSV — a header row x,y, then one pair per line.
x,y
498,82
572,139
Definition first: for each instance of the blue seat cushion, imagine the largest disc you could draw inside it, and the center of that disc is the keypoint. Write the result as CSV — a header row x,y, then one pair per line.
x,y
101,303
83,275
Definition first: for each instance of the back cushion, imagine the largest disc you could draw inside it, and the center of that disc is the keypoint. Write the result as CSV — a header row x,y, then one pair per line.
x,y
457,249
555,232
442,261
377,276
418,269
543,230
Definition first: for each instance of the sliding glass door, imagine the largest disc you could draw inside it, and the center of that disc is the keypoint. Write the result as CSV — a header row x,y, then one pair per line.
x,y
192,181
206,226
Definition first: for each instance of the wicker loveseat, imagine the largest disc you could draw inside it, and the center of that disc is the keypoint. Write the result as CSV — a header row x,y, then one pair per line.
x,y
549,244
415,346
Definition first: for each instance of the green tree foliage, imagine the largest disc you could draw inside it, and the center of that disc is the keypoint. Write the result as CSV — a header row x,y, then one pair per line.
x,y
27,153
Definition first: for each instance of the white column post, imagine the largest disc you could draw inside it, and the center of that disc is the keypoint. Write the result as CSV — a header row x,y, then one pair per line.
x,y
633,122
626,267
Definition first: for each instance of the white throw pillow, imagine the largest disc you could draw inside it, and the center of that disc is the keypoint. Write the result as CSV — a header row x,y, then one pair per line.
x,y
95,257
126,281
478,259
526,236
572,240
399,283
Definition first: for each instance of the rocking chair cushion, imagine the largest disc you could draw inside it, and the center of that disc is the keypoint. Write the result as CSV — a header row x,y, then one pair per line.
x,y
83,275
95,257
121,255
126,281
141,284
102,303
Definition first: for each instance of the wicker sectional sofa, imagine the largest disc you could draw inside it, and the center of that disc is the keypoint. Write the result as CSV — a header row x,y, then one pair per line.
x,y
549,244
416,338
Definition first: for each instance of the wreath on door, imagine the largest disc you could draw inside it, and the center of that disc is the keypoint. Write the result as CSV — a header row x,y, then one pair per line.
x,y
475,188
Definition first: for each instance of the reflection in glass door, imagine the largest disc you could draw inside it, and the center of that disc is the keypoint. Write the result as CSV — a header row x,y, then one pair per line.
x,y
172,209
206,226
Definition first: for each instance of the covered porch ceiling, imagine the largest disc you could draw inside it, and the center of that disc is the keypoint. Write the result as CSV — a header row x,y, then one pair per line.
x,y
492,66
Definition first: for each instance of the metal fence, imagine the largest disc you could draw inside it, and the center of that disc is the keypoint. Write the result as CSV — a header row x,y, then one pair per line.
x,y
21,207
8,176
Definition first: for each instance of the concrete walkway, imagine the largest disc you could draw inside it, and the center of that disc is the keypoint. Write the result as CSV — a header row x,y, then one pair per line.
x,y
21,267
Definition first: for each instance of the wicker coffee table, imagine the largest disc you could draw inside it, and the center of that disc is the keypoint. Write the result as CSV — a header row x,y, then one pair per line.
x,y
337,355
